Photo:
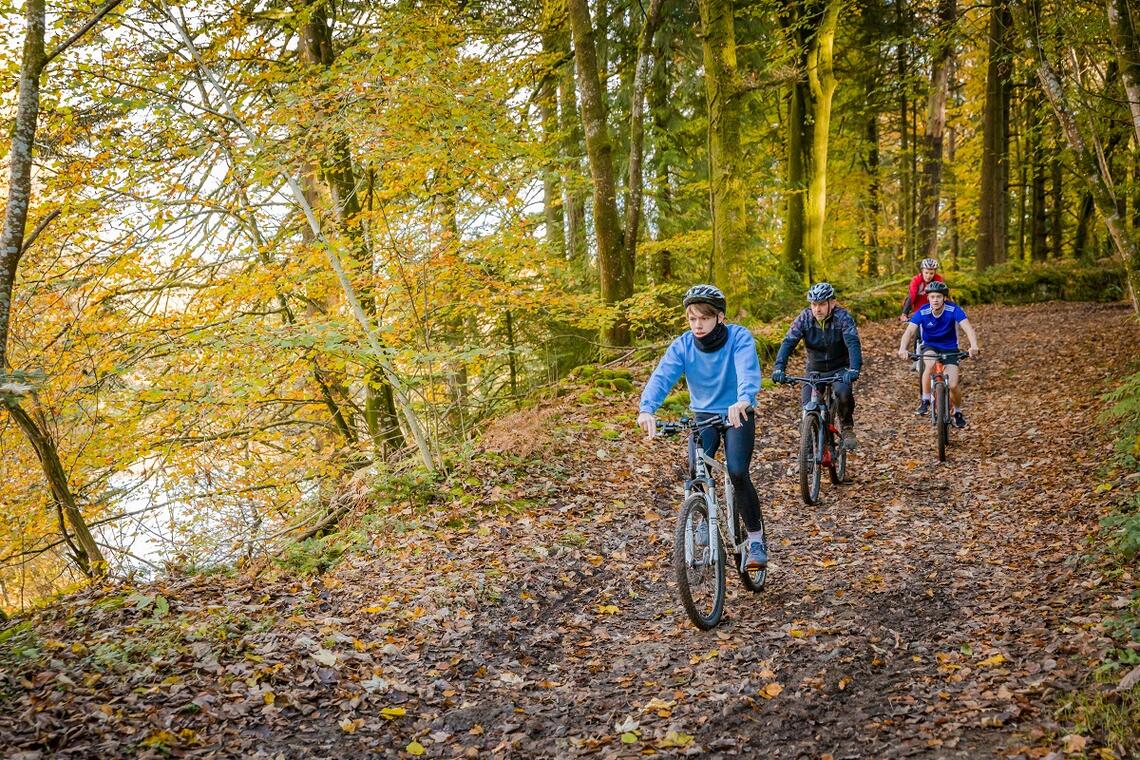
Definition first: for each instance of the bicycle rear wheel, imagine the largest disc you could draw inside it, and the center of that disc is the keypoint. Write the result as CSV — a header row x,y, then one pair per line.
x,y
838,466
753,580
699,567
810,467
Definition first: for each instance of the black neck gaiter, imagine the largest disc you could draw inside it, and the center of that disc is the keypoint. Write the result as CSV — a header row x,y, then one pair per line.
x,y
714,340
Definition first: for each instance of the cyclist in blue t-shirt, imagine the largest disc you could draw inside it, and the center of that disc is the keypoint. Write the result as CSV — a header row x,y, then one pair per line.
x,y
938,323
722,371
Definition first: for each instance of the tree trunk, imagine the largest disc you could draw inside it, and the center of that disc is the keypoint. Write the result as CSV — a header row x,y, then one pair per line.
x,y
615,272
952,199
798,136
85,551
637,132
821,78
1057,212
1038,231
551,179
35,59
1099,186
993,209
726,193
339,175
931,181
20,165
871,216
1128,55
661,111
905,211
573,186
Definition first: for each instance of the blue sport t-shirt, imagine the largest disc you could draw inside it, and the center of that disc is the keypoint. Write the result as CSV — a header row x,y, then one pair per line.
x,y
941,332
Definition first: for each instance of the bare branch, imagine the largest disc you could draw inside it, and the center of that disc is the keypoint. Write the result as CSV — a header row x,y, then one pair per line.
x,y
106,8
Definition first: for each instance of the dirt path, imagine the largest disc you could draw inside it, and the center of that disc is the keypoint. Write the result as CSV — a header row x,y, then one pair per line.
x,y
924,609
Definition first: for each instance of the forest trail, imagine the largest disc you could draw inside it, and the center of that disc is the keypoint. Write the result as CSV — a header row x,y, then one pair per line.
x,y
921,610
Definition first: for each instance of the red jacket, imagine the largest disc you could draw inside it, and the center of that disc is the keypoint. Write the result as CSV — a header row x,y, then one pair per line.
x,y
916,299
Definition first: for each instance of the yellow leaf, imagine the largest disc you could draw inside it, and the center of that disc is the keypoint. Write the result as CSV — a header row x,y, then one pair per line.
x,y
629,738
650,516
608,609
350,726
675,739
375,608
795,633
996,659
415,748
269,697
391,713
771,691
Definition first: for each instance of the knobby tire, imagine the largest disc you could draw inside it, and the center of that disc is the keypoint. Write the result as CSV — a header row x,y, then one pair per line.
x,y
809,460
838,467
942,421
701,588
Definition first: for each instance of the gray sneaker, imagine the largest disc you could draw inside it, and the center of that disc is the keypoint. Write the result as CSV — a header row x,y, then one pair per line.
x,y
757,556
849,440
701,536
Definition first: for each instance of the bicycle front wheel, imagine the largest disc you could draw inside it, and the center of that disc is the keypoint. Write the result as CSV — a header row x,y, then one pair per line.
x,y
698,560
810,467
942,421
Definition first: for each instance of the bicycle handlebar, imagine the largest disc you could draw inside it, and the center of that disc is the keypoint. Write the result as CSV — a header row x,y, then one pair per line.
x,y
821,380
943,355
686,424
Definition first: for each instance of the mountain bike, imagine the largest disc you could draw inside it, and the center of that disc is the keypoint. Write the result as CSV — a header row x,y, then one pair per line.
x,y
819,437
699,555
940,416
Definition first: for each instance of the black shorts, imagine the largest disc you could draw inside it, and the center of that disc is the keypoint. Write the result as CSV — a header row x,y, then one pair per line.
x,y
951,360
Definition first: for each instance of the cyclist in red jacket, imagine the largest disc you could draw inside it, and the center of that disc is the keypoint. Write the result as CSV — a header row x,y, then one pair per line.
x,y
916,297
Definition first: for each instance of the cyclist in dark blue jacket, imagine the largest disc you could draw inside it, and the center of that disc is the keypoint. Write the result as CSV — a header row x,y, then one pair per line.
x,y
832,343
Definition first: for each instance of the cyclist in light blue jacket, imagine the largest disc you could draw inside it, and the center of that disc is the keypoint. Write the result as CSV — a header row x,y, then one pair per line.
x,y
722,372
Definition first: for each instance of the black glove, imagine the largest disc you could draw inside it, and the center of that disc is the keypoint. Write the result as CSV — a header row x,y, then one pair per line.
x,y
850,376
778,376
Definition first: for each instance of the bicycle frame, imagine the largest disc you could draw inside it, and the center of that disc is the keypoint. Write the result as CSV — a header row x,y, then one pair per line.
x,y
706,468
820,405
818,446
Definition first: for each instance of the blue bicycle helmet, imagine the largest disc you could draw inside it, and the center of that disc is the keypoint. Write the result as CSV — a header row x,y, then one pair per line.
x,y
937,287
709,294
821,291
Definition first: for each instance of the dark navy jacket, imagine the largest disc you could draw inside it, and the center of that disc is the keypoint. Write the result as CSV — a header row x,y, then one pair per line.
x,y
830,347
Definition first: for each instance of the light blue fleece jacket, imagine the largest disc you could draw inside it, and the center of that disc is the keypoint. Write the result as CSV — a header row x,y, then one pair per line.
x,y
716,380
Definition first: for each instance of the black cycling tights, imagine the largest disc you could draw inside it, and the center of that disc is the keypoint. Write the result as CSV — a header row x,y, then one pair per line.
x,y
738,445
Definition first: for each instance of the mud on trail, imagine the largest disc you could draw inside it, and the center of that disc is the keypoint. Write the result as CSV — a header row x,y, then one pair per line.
x,y
920,610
